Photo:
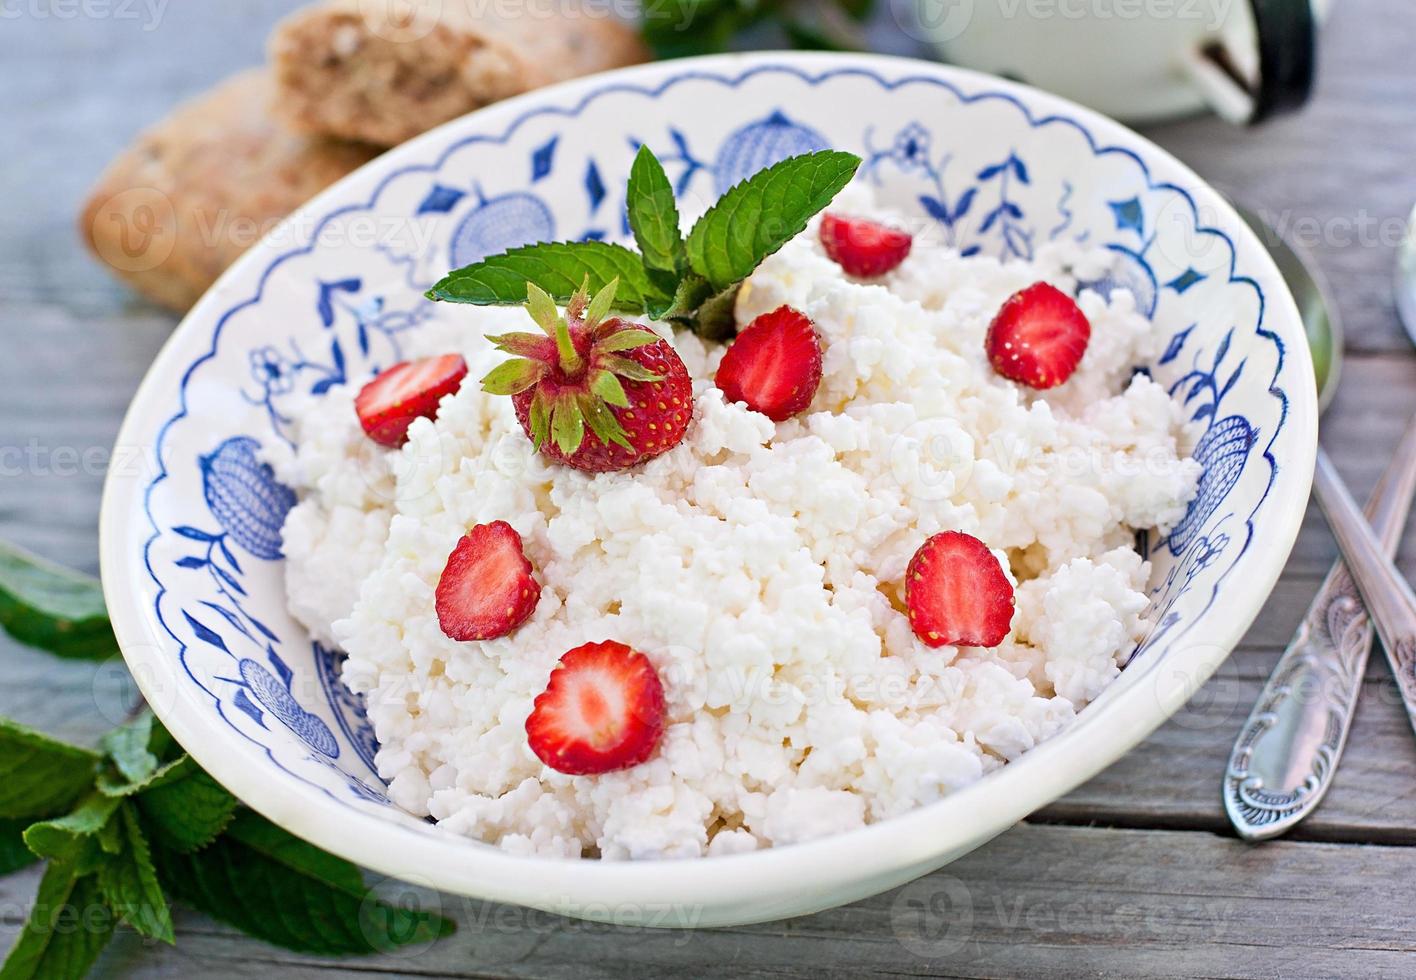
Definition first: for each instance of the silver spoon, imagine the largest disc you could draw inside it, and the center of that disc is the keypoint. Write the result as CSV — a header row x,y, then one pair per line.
x,y
1286,755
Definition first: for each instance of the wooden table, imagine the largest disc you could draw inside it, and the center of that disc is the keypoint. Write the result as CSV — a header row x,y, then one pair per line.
x,y
1136,873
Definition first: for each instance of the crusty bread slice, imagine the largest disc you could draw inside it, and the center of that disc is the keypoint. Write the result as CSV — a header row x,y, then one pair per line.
x,y
383,71
203,185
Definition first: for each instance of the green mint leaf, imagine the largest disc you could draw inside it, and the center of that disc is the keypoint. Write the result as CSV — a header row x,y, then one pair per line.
x,y
127,747
40,776
716,320
277,888
72,838
47,606
115,785
68,927
14,853
659,305
128,882
559,268
653,214
258,834
187,813
110,837
690,294
761,214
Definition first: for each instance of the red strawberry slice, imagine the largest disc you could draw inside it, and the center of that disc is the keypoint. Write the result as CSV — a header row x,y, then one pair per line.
x,y
774,365
486,589
406,391
957,594
1038,337
602,710
864,249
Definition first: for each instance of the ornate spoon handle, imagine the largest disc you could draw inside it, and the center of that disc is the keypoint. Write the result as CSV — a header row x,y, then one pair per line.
x,y
1287,752
1384,589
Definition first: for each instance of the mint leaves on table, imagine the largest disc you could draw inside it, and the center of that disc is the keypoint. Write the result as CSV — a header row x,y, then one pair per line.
x,y
53,608
128,879
67,928
690,281
309,901
137,822
189,812
676,28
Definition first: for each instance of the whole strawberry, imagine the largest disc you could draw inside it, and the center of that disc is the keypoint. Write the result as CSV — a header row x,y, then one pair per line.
x,y
596,392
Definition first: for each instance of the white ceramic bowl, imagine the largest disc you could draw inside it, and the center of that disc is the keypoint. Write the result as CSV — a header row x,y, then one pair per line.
x,y
191,543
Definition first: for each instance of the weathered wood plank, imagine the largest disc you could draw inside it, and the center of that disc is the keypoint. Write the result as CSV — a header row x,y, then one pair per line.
x,y
78,88
1039,901
63,391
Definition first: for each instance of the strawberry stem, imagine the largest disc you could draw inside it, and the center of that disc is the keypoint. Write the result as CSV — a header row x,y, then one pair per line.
x,y
570,360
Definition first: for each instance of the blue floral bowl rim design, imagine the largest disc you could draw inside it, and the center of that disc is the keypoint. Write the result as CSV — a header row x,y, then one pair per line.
x,y
763,884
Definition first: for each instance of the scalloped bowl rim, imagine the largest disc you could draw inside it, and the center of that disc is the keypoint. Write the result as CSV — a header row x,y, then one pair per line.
x,y
767,883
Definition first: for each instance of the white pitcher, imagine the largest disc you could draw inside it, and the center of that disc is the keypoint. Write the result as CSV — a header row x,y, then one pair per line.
x,y
1139,60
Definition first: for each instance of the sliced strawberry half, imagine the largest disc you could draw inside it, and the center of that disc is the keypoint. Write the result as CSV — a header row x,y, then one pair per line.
x,y
406,391
957,594
602,710
1038,337
864,249
774,365
486,589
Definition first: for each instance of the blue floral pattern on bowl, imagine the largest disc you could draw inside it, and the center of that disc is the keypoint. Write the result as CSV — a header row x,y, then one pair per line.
x,y
216,509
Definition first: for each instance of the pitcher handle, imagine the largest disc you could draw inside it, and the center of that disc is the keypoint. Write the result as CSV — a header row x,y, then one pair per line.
x,y
1287,41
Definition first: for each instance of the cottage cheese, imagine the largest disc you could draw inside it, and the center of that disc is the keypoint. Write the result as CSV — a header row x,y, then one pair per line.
x,y
758,566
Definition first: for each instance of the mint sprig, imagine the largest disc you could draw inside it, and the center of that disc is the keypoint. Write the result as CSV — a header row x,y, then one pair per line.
x,y
691,281
124,828
560,268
